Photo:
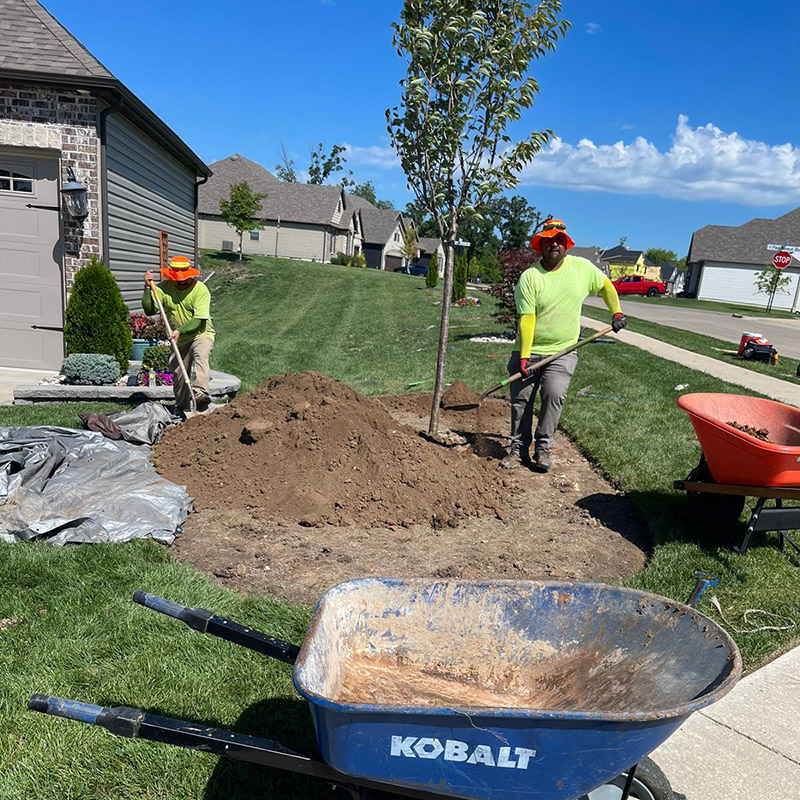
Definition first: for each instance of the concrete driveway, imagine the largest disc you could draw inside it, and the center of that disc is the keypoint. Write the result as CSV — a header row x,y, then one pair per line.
x,y
783,333
9,378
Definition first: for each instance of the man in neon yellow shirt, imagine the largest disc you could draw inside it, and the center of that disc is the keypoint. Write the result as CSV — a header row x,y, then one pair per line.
x,y
187,304
549,296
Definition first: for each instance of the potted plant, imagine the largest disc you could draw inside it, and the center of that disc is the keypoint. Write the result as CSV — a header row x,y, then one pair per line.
x,y
155,367
146,332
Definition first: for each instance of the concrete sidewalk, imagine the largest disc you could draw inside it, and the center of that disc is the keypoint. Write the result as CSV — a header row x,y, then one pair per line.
x,y
746,746
764,384
9,378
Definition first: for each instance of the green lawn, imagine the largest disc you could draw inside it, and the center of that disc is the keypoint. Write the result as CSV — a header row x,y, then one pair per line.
x,y
710,305
785,369
68,626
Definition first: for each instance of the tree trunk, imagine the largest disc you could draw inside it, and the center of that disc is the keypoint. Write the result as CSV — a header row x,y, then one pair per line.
x,y
241,234
438,386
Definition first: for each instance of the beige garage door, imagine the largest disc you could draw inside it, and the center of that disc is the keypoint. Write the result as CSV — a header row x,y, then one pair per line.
x,y
30,263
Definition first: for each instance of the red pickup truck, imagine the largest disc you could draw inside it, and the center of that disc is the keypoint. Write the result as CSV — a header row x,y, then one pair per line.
x,y
636,284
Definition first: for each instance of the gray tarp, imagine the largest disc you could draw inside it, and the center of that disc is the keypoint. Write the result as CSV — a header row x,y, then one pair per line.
x,y
61,485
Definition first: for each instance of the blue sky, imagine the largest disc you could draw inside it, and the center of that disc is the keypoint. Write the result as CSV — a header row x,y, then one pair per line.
x,y
670,115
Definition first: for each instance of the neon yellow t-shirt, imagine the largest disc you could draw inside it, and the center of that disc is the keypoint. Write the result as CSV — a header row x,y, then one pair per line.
x,y
556,298
183,305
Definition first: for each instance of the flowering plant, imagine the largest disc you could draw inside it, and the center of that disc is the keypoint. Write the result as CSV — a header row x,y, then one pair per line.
x,y
162,378
467,301
143,327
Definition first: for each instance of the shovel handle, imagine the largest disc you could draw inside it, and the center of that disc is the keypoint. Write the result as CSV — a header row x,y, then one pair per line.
x,y
544,362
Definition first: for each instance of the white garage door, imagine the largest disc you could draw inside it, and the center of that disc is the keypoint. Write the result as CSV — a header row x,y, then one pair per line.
x,y
735,283
30,263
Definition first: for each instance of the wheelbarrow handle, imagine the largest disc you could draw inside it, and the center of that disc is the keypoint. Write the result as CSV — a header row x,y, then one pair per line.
x,y
203,621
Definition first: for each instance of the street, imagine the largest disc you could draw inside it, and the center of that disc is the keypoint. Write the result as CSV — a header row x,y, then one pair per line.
x,y
783,333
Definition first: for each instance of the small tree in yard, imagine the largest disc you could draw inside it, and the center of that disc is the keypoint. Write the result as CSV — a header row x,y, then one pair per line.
x,y
771,281
466,82
409,248
460,277
96,318
432,278
241,210
512,263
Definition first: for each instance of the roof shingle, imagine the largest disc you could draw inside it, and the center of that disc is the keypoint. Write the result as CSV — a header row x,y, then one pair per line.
x,y
747,243
40,43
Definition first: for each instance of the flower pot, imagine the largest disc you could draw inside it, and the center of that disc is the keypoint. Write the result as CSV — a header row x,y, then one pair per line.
x,y
139,346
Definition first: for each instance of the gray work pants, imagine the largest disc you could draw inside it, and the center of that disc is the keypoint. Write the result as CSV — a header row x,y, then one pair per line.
x,y
195,354
552,382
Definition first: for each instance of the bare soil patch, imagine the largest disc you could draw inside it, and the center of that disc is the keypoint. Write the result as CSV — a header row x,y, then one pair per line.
x,y
287,522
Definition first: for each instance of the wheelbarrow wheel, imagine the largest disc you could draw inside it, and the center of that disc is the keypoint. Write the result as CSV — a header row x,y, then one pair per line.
x,y
717,513
649,783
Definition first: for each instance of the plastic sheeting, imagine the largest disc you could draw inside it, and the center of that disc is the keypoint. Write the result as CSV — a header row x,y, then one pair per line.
x,y
62,485
144,424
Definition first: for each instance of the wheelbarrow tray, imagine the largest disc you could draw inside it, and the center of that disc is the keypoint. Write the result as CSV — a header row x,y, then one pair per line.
x,y
736,457
503,689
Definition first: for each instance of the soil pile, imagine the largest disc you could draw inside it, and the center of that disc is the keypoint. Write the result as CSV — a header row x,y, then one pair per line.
x,y
458,395
305,448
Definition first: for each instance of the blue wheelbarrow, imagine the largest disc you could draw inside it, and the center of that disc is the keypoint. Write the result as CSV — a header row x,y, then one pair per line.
x,y
482,690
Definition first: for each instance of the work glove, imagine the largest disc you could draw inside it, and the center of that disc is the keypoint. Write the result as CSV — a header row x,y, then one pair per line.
x,y
618,322
523,366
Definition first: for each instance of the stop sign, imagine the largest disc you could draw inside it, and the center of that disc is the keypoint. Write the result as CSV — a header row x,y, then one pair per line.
x,y
781,260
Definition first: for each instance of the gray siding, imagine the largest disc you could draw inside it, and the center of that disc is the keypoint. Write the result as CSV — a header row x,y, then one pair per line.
x,y
148,191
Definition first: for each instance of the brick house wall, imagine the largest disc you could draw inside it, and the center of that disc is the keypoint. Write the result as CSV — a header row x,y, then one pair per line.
x,y
65,121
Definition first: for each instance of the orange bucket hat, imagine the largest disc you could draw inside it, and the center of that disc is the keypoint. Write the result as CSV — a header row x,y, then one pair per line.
x,y
180,269
550,229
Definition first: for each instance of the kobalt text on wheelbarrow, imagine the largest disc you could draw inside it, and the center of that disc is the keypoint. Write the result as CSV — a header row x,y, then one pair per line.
x,y
490,690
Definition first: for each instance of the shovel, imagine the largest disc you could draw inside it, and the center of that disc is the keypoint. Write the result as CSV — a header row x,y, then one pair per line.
x,y
543,363
174,345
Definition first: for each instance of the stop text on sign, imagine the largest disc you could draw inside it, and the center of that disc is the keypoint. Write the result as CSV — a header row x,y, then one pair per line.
x,y
781,260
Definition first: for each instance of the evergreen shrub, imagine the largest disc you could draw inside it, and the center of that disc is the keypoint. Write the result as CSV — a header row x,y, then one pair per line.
x,y
96,318
432,278
90,369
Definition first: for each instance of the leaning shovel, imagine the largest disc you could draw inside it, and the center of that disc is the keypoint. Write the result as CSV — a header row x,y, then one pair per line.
x,y
174,345
543,363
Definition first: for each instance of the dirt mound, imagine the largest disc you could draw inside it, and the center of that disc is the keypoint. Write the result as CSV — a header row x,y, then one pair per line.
x,y
308,449
458,395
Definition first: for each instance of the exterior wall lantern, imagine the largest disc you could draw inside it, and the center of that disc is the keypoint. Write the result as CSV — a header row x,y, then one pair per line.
x,y
74,193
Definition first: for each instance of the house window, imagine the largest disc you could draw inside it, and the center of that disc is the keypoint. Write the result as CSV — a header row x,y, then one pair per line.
x,y
396,236
12,181
255,235
333,244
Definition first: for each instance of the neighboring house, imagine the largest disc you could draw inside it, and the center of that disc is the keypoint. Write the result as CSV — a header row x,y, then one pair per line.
x,y
383,237
591,254
673,277
427,247
724,260
620,261
61,109
303,221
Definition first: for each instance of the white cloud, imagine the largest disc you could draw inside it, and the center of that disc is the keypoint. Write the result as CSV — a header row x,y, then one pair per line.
x,y
593,27
375,156
627,126
703,163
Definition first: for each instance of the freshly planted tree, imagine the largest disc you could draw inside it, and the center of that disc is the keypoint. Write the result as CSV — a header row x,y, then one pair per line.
x,y
96,318
466,81
242,210
771,281
432,278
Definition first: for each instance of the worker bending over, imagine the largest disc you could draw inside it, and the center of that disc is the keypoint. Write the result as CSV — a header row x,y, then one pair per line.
x,y
549,296
187,304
